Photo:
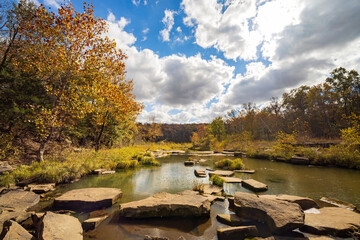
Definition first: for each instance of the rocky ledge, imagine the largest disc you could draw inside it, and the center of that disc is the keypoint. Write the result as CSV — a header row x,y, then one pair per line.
x,y
185,204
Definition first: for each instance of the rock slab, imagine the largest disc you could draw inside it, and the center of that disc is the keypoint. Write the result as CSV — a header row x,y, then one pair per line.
x,y
92,223
14,231
254,185
249,171
333,221
41,188
211,189
232,179
304,202
221,173
59,226
232,220
87,199
18,200
165,204
200,173
237,233
280,216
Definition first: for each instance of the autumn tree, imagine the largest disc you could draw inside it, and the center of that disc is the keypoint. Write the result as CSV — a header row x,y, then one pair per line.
x,y
81,70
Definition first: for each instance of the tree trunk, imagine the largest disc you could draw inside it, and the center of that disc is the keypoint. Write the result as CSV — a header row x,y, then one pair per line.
x,y
43,145
97,142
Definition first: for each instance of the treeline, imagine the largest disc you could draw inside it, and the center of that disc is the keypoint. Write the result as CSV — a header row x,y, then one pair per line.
x,y
319,111
61,81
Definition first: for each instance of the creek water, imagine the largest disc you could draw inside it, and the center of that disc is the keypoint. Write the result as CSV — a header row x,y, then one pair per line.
x,y
172,176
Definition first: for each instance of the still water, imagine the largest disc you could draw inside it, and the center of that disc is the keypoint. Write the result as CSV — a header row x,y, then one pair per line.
x,y
172,176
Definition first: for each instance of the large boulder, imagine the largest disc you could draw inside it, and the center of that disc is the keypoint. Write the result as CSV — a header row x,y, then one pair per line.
x,y
18,200
14,231
87,199
164,204
332,221
280,216
304,202
59,226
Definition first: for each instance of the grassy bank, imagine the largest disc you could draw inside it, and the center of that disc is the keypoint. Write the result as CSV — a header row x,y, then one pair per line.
x,y
70,165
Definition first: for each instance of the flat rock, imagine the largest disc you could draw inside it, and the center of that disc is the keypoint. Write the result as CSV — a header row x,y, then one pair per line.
x,y
200,173
18,200
221,173
232,179
333,221
5,167
92,223
304,202
254,185
87,199
237,233
59,226
232,220
189,163
280,216
211,189
99,171
213,198
14,231
250,171
167,205
300,160
338,203
41,188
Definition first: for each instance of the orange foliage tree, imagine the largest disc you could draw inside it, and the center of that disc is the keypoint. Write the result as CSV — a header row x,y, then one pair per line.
x,y
82,71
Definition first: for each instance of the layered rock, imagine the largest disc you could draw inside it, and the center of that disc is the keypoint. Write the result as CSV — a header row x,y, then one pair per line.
x,y
14,231
200,173
221,173
87,199
237,233
332,221
280,216
304,202
254,185
186,204
41,188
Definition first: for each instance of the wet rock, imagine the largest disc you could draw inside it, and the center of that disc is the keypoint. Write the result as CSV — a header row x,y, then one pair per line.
x,y
249,171
92,223
211,189
189,163
200,173
231,202
232,179
14,231
18,200
167,205
59,226
280,216
304,202
221,173
41,188
338,203
254,185
5,167
332,221
232,220
87,199
300,160
237,233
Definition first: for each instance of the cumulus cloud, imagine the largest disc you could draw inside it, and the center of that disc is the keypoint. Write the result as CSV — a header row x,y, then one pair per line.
x,y
137,2
168,21
116,31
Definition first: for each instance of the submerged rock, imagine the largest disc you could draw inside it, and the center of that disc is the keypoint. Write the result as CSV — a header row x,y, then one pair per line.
x,y
254,185
333,221
59,226
87,199
237,233
304,202
14,231
185,204
279,216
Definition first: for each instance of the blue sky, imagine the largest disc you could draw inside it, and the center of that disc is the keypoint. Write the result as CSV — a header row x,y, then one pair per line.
x,y
193,60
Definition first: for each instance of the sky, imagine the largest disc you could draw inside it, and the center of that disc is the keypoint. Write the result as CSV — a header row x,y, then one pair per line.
x,y
194,60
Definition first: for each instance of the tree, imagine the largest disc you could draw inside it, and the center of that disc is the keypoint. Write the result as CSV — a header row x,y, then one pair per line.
x,y
81,70
217,128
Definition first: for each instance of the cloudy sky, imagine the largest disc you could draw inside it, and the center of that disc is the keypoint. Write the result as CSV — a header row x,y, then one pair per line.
x,y
193,60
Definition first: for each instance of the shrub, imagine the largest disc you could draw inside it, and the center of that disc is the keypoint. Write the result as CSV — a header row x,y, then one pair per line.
x,y
150,161
236,164
225,163
216,180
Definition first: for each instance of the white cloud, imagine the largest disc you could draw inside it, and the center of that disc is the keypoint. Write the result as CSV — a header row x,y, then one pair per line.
x,y
178,29
137,2
116,31
168,21
52,3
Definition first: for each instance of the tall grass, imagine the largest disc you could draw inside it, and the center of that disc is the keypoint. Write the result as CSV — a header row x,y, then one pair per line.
x,y
236,164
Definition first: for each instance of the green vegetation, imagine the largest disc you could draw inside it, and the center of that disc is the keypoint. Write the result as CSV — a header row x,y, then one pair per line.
x,y
236,164
216,180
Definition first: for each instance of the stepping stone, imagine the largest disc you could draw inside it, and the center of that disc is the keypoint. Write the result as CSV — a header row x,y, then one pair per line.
x,y
211,189
304,202
232,220
189,163
41,188
232,179
92,223
200,173
221,173
87,199
236,233
213,198
254,185
250,171
335,221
